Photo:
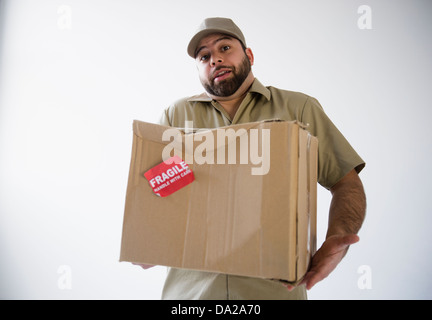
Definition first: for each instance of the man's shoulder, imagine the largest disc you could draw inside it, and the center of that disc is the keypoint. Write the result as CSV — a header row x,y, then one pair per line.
x,y
288,94
190,100
185,108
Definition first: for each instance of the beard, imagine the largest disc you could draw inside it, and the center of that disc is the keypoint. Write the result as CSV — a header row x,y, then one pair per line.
x,y
228,87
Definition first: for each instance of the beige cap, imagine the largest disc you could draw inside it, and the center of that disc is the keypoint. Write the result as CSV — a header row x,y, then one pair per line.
x,y
214,25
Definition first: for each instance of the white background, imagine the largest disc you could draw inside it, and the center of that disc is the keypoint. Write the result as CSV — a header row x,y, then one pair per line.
x,y
75,73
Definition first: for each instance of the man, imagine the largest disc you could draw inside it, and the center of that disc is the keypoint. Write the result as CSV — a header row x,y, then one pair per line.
x,y
233,96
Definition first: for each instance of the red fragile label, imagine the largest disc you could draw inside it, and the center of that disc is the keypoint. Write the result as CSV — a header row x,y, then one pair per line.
x,y
169,176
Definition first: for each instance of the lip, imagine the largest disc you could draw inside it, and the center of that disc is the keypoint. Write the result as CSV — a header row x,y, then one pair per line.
x,y
226,70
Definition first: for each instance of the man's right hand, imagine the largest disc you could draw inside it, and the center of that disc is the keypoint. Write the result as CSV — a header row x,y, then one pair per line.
x,y
144,266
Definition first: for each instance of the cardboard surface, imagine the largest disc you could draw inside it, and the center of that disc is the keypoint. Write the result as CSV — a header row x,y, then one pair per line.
x,y
251,209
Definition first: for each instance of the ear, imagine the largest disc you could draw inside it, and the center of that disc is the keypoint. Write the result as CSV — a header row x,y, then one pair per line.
x,y
250,55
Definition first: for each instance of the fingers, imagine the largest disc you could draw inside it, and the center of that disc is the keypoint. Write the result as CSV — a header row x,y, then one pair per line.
x,y
289,287
326,259
311,279
144,266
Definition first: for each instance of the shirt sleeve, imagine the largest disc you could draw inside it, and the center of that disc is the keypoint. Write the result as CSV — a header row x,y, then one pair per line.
x,y
164,119
336,157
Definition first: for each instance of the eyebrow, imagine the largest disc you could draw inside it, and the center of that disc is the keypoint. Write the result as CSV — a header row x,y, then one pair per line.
x,y
214,42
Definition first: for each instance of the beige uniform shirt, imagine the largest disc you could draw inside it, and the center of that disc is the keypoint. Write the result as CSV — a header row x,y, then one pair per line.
x,y
336,158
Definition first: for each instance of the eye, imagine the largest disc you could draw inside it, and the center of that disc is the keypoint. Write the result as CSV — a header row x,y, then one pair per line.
x,y
225,48
204,57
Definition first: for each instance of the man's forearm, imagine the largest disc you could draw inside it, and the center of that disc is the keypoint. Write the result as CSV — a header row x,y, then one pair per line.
x,y
348,206
347,212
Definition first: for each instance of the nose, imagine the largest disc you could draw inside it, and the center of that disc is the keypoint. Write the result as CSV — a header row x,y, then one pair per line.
x,y
216,60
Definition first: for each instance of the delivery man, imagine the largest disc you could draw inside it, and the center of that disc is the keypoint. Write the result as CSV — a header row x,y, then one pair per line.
x,y
232,96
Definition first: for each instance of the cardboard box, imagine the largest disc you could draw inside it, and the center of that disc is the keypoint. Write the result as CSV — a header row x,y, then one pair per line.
x,y
250,209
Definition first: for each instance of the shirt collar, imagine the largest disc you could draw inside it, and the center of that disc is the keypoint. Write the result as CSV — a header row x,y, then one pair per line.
x,y
255,87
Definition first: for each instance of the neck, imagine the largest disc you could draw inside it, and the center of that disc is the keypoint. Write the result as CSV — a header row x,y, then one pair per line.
x,y
232,103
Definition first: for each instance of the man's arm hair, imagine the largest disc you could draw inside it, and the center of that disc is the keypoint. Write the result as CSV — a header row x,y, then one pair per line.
x,y
348,206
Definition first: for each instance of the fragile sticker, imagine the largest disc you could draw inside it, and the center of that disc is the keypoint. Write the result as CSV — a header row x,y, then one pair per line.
x,y
169,176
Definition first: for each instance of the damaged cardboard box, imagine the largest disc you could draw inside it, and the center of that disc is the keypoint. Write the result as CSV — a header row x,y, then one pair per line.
x,y
237,200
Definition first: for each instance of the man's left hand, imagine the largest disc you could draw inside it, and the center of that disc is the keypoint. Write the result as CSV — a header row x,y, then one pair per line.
x,y
327,258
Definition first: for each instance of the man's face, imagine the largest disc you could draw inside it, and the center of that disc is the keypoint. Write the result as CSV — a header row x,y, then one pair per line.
x,y
223,64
